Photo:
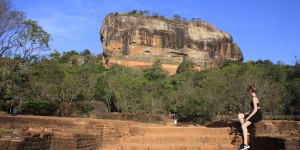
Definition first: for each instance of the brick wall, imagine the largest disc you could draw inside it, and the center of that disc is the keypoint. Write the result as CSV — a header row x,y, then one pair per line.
x,y
275,135
28,142
71,133
82,134
80,141
266,134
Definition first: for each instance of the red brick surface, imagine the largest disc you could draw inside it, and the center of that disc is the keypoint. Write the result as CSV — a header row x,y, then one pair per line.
x,y
58,133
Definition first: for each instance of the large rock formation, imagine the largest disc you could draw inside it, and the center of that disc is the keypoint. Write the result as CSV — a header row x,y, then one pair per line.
x,y
137,41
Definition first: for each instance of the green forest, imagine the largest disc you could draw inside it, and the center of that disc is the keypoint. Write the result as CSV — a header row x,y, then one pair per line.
x,y
37,80
58,85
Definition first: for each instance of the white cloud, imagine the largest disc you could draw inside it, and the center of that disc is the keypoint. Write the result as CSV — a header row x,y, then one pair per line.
x,y
71,25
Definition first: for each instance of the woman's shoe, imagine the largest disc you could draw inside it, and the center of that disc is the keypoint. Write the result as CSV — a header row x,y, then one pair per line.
x,y
244,146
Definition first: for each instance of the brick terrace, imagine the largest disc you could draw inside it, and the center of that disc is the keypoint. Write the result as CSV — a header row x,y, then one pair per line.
x,y
59,133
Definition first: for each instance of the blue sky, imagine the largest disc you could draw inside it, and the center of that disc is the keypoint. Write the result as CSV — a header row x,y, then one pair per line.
x,y
263,29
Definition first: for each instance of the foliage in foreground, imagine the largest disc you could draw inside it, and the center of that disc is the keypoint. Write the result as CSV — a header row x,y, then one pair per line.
x,y
54,87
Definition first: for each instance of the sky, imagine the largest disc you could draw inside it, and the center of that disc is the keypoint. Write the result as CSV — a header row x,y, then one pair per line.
x,y
263,29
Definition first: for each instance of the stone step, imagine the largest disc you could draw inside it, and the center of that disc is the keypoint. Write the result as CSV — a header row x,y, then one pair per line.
x,y
91,130
178,139
72,131
188,130
285,136
295,135
170,147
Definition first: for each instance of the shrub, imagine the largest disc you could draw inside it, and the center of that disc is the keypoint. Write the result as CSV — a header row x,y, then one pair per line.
x,y
86,108
38,107
3,131
3,107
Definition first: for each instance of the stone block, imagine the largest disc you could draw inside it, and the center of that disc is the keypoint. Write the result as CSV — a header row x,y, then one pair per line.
x,y
157,147
169,140
135,140
226,147
198,139
271,128
4,144
148,140
134,131
194,147
35,148
180,147
37,143
224,140
15,145
260,126
210,139
288,126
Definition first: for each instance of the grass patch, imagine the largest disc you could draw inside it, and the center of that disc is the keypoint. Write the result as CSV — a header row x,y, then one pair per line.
x,y
2,131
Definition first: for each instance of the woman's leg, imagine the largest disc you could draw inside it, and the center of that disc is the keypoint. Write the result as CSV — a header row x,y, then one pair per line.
x,y
241,118
245,131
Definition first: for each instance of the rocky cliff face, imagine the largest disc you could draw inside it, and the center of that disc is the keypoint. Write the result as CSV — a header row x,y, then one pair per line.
x,y
137,41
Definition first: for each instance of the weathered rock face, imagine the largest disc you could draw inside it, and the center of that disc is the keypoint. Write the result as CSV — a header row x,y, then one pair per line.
x,y
137,41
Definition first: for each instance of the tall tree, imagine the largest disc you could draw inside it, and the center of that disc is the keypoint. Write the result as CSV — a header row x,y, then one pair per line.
x,y
10,26
225,89
146,12
32,40
186,65
104,91
155,72
176,17
86,52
